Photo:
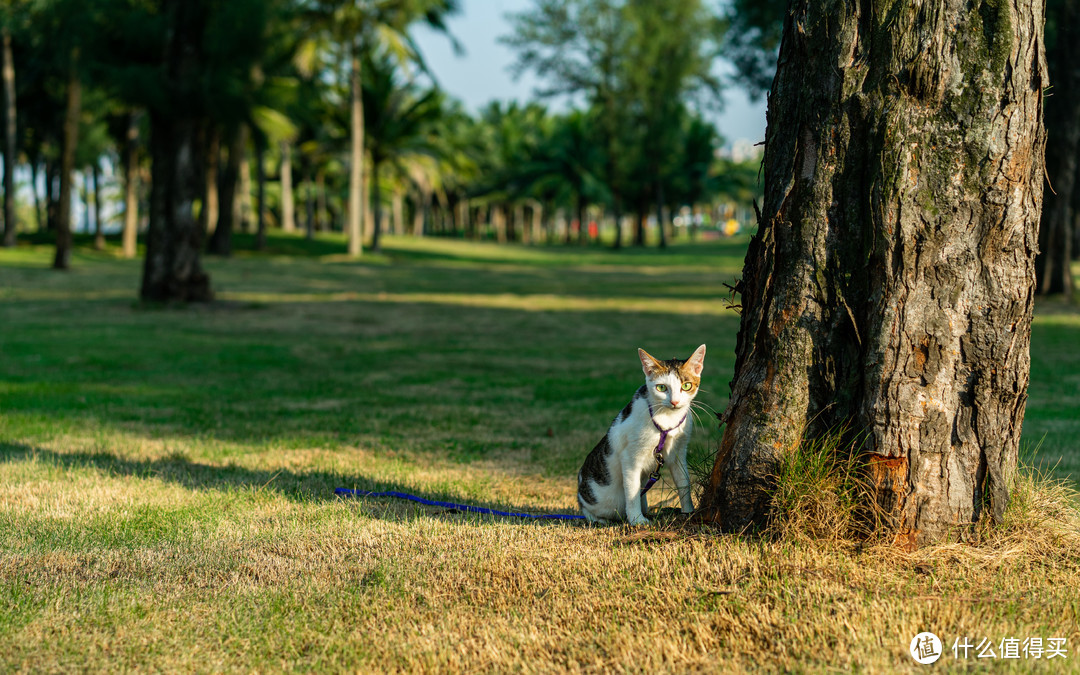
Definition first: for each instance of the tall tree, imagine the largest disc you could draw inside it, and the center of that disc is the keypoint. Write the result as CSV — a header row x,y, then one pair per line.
x,y
69,143
672,50
173,268
401,120
129,237
890,285
360,26
579,47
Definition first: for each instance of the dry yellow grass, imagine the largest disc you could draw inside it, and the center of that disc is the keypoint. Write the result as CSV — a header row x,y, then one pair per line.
x,y
166,486
243,579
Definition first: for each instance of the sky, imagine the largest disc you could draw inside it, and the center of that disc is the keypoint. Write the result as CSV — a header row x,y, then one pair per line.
x,y
482,73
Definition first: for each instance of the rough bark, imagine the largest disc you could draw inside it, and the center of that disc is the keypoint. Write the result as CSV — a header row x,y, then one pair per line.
x,y
1052,266
891,282
11,225
62,261
288,213
173,269
131,182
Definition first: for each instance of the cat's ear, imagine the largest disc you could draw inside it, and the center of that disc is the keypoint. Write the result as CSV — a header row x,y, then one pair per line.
x,y
696,362
648,363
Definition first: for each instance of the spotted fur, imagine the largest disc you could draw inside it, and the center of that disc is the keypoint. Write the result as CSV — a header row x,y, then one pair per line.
x,y
610,480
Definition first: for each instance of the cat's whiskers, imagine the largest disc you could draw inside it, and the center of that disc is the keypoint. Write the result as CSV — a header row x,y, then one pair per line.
x,y
703,406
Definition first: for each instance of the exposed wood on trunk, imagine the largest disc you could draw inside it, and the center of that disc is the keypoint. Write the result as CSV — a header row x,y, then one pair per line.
x,y
890,285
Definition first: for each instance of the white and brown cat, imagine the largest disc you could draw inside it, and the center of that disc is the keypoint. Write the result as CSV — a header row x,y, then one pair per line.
x,y
652,431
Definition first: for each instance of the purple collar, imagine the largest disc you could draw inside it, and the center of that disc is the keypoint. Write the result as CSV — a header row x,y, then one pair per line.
x,y
658,454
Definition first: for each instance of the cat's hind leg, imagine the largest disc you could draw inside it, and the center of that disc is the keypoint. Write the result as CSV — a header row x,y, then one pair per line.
x,y
590,517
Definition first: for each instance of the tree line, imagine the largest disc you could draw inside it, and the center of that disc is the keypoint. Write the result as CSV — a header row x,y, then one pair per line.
x,y
312,115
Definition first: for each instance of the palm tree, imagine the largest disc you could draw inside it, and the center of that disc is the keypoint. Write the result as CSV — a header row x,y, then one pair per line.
x,y
359,27
400,119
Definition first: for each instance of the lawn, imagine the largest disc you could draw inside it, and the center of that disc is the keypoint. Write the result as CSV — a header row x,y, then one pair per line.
x,y
167,477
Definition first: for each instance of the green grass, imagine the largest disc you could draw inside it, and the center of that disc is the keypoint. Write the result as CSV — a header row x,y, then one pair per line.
x,y
166,474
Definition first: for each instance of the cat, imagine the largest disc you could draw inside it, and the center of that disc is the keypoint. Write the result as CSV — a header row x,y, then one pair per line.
x,y
657,421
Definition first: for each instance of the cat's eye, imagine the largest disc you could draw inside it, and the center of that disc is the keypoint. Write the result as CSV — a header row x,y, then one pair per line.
x,y
661,388
687,386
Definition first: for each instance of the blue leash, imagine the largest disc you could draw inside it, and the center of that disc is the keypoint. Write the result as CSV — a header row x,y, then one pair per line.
x,y
346,492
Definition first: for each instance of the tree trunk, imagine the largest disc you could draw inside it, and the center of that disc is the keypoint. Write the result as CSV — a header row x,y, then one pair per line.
x,y
173,270
397,206
228,211
376,197
537,221
88,207
62,261
39,206
260,192
11,225
309,203
517,230
99,232
617,208
131,182
208,214
660,220
1053,265
498,215
322,211
242,204
288,216
639,226
355,226
890,285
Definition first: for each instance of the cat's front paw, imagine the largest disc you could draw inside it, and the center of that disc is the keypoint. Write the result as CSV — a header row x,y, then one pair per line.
x,y
639,521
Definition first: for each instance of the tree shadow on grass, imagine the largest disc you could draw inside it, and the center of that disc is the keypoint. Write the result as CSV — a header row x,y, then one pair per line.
x,y
301,487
